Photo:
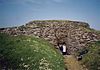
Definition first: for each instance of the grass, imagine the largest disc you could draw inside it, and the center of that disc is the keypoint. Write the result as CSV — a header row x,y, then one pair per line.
x,y
92,59
28,53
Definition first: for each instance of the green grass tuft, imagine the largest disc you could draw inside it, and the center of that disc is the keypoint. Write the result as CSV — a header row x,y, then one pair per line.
x,y
92,58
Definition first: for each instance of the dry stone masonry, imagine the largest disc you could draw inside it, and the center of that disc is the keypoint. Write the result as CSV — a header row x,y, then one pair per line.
x,y
75,34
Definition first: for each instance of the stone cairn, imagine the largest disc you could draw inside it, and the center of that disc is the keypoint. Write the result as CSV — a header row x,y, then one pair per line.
x,y
75,34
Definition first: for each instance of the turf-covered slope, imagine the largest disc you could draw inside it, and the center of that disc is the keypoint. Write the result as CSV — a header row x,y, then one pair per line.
x,y
28,53
92,59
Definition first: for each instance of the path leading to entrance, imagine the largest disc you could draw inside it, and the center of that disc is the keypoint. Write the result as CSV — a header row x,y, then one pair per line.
x,y
72,64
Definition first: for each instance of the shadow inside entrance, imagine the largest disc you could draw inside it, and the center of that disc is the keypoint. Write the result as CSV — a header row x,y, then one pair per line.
x,y
63,48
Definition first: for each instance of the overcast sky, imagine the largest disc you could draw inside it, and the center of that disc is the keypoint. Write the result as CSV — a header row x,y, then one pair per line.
x,y
19,12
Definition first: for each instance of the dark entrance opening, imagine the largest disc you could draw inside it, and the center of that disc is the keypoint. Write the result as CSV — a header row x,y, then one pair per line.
x,y
63,48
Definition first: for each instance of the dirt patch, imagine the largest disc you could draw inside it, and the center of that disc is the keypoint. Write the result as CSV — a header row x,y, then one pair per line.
x,y
72,63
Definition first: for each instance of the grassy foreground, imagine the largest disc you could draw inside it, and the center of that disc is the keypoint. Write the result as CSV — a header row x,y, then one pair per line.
x,y
28,53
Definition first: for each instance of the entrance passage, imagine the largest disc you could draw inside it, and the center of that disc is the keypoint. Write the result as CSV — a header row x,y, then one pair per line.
x,y
63,48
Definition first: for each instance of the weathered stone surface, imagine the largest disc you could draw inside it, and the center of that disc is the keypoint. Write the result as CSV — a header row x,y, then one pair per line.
x,y
75,34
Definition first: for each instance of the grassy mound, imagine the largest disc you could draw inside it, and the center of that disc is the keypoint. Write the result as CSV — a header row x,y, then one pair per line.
x,y
92,58
28,53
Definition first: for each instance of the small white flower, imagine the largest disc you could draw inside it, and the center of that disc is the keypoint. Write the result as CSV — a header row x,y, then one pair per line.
x,y
22,59
26,66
